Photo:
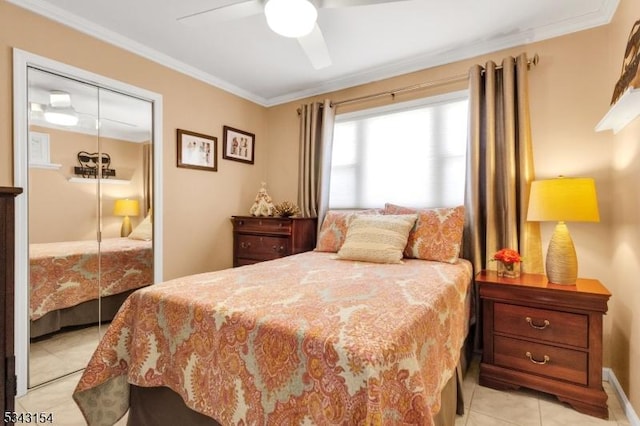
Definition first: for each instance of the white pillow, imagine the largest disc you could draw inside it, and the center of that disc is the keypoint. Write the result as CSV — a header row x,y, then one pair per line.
x,y
144,230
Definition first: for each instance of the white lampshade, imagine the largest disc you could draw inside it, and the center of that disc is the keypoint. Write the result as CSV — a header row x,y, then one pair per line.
x,y
291,18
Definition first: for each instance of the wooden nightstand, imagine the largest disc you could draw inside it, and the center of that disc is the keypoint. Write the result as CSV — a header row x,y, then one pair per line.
x,y
544,336
256,239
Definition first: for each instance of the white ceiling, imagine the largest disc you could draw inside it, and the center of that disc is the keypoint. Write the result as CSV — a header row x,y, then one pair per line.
x,y
366,43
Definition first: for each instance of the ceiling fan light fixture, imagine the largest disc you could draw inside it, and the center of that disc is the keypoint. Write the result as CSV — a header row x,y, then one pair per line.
x,y
59,111
61,116
291,18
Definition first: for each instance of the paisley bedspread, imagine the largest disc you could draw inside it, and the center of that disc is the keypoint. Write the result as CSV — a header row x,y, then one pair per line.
x,y
305,339
64,274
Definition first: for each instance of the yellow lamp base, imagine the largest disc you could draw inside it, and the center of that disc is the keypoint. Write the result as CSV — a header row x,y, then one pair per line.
x,y
562,262
125,230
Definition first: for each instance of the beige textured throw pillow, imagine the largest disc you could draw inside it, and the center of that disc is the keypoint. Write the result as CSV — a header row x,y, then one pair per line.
x,y
379,239
144,231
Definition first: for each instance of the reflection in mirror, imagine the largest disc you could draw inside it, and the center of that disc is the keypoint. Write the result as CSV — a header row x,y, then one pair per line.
x,y
89,152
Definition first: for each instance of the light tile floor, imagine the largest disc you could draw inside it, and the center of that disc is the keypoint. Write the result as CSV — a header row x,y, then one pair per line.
x,y
488,407
483,406
61,353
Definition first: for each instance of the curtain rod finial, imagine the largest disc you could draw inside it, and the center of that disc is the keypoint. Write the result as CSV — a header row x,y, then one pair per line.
x,y
535,60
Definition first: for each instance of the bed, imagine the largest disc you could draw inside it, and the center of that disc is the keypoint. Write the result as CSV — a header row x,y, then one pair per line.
x,y
313,338
64,280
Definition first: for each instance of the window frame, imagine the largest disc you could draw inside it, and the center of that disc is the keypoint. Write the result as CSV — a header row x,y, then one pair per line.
x,y
445,98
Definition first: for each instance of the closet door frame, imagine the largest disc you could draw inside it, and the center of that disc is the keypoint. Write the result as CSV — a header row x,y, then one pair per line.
x,y
22,60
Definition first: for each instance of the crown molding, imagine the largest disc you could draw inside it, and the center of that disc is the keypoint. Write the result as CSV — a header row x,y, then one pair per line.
x,y
598,17
87,27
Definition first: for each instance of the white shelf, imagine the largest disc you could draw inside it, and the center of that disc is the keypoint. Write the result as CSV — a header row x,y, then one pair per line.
x,y
102,181
625,110
47,166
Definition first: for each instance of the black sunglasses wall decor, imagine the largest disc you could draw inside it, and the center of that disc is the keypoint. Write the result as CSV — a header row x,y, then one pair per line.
x,y
91,162
238,145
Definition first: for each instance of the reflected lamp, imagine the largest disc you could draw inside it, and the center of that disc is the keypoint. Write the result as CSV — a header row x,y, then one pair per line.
x,y
126,208
563,200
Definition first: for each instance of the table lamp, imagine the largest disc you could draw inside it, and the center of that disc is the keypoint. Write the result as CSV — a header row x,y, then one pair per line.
x,y
563,200
126,208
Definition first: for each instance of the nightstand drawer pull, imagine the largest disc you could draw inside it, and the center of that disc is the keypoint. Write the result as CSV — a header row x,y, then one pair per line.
x,y
278,249
245,245
544,325
546,359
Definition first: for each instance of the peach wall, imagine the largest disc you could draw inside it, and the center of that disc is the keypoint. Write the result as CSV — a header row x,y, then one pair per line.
x,y
64,210
625,330
197,204
570,91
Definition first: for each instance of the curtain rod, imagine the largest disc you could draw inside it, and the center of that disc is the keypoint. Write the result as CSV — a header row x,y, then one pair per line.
x,y
531,62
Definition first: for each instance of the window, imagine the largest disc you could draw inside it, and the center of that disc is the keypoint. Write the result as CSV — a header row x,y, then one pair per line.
x,y
411,154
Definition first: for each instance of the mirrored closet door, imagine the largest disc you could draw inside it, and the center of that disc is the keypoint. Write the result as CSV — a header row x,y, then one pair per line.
x,y
89,215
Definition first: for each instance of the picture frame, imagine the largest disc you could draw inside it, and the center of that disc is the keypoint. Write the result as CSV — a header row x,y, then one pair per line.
x,y
238,145
197,151
39,149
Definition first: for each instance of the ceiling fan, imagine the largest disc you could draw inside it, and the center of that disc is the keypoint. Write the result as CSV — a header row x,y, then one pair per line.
x,y
289,18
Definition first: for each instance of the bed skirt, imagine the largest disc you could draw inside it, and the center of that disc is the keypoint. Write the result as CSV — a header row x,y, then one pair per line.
x,y
161,406
83,314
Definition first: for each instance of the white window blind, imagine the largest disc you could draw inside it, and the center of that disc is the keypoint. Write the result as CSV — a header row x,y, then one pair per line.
x,y
411,154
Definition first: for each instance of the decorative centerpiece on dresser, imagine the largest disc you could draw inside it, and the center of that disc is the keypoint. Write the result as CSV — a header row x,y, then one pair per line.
x,y
544,336
7,243
256,239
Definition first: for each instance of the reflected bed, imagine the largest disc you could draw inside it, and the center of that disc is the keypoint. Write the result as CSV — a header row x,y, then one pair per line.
x,y
63,280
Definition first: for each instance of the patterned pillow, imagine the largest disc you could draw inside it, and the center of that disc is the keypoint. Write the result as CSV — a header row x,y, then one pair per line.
x,y
378,239
334,228
437,234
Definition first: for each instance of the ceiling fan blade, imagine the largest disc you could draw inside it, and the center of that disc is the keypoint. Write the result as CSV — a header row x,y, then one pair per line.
x,y
230,12
349,3
316,49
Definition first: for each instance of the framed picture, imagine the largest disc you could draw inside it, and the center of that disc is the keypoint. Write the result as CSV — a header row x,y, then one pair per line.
x,y
39,152
197,151
238,145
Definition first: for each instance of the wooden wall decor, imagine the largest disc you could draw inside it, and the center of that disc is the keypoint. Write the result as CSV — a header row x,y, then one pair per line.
x,y
630,77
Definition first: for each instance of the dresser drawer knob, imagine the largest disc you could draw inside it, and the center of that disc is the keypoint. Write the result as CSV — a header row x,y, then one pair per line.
x,y
544,325
545,360
245,245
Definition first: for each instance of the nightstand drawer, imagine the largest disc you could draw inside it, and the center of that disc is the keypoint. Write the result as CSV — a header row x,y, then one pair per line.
x,y
261,248
540,359
542,324
261,225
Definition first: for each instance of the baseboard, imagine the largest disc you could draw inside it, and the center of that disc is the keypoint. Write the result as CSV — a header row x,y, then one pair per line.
x,y
610,376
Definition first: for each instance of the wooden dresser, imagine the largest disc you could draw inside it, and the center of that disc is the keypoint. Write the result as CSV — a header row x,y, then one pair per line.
x,y
7,291
256,239
544,336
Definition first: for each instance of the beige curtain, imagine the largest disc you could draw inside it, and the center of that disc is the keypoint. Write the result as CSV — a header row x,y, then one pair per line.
x,y
147,178
316,139
500,166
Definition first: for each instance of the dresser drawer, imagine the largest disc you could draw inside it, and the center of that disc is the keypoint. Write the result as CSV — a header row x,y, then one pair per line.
x,y
541,359
261,247
542,324
262,225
